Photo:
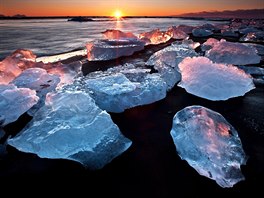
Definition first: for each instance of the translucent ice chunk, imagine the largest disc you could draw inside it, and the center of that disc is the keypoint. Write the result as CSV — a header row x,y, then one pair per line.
x,y
155,37
117,34
209,144
111,49
233,53
70,126
166,62
213,81
14,102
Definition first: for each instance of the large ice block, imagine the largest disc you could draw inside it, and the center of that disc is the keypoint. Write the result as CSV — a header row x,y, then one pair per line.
x,y
155,37
209,144
122,87
114,48
166,61
14,102
233,53
71,126
213,81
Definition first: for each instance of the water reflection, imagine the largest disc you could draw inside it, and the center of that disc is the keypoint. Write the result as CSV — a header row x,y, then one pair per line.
x,y
53,36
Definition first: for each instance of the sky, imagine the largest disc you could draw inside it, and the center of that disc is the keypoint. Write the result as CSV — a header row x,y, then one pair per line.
x,y
127,7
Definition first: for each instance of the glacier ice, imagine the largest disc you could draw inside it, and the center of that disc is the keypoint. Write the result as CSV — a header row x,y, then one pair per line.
x,y
185,28
66,72
24,55
70,126
177,33
209,144
21,60
258,47
203,78
37,79
189,44
14,64
209,26
155,37
201,32
8,70
233,53
209,44
166,61
14,102
113,48
122,87
253,37
117,34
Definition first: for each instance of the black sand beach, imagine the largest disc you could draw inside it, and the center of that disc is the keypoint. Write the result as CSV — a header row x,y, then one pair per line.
x,y
151,166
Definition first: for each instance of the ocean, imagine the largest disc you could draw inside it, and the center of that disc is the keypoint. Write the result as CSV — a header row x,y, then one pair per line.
x,y
54,36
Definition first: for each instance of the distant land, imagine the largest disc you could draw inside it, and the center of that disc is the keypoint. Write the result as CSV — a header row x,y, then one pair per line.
x,y
226,14
247,14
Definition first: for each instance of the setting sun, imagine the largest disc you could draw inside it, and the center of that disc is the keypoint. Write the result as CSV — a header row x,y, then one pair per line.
x,y
118,14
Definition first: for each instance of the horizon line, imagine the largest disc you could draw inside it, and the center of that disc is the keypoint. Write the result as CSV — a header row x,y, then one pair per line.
x,y
169,15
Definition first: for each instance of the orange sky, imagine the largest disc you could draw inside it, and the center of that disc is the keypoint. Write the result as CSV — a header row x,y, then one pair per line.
x,y
128,7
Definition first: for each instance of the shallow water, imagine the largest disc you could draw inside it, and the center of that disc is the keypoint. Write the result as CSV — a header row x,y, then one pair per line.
x,y
54,36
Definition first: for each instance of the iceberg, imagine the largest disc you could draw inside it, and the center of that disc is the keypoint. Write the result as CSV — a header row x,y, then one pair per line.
x,y
8,70
117,34
122,87
70,126
233,53
166,61
23,55
66,72
112,49
14,102
20,60
209,26
212,81
209,144
37,79
177,33
201,32
189,44
155,37
258,47
253,37
185,28
209,44
15,63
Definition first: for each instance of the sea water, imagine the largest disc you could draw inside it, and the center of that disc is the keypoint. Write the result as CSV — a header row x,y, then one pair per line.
x,y
54,36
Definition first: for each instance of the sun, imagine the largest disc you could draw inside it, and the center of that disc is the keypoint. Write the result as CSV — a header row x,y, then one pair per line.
x,y
118,14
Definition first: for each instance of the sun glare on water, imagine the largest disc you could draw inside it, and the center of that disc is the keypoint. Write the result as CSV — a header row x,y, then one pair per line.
x,y
118,14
